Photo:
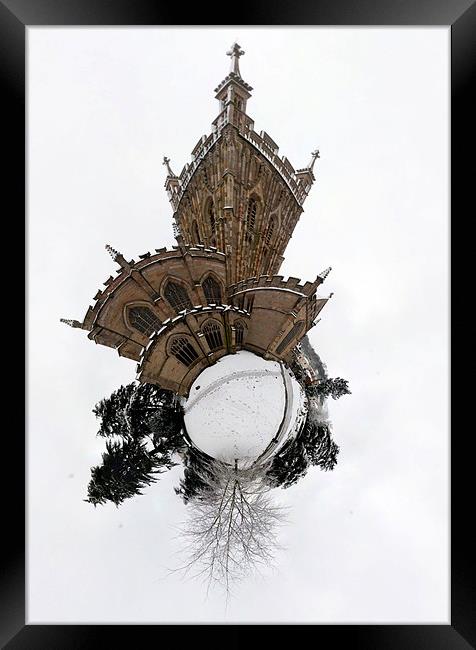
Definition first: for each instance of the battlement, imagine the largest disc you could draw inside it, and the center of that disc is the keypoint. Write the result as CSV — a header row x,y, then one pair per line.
x,y
262,141
160,256
200,248
276,282
169,325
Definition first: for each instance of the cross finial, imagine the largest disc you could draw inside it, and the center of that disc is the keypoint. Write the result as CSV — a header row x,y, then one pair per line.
x,y
167,163
314,154
235,52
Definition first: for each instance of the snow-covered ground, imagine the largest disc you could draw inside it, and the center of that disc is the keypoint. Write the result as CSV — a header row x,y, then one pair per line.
x,y
237,406
297,406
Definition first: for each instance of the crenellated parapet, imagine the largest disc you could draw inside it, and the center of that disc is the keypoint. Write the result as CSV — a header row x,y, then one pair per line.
x,y
159,262
147,292
282,311
157,290
298,182
238,203
191,341
276,282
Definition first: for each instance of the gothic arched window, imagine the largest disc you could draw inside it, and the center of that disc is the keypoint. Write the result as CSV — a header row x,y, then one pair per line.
x,y
195,233
177,296
143,319
293,332
239,332
211,217
251,215
250,221
212,221
212,291
212,331
184,351
269,232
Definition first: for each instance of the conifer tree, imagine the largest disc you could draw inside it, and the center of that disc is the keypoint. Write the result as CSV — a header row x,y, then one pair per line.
x,y
198,475
139,410
334,388
147,425
312,446
288,466
320,448
127,467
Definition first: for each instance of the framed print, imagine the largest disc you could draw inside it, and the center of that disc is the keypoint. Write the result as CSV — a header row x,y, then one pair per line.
x,y
276,201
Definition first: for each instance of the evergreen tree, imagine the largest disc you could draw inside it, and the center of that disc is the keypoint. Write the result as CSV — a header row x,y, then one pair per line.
x,y
127,467
138,414
320,449
112,412
289,465
331,459
334,388
198,475
139,410
312,446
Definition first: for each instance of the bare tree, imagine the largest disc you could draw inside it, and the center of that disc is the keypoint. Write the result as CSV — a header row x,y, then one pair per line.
x,y
231,527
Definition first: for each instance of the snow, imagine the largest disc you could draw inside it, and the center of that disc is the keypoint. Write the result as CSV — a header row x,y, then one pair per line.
x,y
237,406
271,288
298,408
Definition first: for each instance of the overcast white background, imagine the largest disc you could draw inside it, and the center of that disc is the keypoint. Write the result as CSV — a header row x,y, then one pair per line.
x,y
367,542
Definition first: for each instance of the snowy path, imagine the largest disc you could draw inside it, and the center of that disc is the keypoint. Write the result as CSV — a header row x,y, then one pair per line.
x,y
219,382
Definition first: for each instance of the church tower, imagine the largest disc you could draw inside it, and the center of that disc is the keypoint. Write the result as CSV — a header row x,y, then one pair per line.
x,y
238,194
235,207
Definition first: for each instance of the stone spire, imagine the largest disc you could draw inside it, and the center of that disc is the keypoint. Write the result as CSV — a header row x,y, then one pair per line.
x,y
112,251
305,176
70,322
315,155
233,89
235,52
172,182
117,257
323,274
170,173
178,234
310,166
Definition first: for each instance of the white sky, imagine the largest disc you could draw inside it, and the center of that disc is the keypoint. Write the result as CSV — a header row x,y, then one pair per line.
x,y
368,542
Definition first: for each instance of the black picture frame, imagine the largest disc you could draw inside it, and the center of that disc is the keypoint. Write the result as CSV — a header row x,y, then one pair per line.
x,y
15,16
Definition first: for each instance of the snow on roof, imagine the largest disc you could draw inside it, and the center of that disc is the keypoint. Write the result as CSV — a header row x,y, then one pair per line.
x,y
236,407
